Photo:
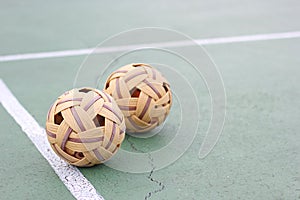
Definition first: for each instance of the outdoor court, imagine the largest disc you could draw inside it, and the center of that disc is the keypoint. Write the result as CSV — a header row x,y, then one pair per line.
x,y
257,52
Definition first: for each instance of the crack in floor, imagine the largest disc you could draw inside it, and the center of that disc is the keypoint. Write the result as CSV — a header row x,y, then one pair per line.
x,y
150,177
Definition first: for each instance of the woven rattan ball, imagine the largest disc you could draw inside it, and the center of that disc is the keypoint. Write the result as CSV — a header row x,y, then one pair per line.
x,y
143,95
85,127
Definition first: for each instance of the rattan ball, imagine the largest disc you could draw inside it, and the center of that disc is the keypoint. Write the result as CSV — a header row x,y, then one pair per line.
x,y
143,95
85,127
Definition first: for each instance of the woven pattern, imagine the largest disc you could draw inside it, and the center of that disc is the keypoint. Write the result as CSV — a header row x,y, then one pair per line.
x,y
143,95
85,127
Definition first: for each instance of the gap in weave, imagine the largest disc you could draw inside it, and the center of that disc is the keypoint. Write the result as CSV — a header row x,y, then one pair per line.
x,y
165,104
78,155
84,90
135,92
167,90
136,65
165,87
58,118
107,84
99,121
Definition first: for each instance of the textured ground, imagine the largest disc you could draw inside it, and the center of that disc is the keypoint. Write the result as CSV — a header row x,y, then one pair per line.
x,y
258,152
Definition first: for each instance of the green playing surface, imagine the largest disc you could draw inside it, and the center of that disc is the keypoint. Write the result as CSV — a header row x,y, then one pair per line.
x,y
257,155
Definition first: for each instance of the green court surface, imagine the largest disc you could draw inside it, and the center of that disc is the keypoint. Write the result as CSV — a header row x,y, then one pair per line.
x,y
257,155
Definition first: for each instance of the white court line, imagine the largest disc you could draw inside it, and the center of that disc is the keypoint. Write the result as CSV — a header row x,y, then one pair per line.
x,y
208,41
76,183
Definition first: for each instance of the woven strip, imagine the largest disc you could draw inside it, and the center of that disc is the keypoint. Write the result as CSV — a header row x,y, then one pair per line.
x,y
85,127
143,95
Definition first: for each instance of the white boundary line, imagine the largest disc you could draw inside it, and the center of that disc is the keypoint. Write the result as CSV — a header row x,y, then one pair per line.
x,y
73,179
208,41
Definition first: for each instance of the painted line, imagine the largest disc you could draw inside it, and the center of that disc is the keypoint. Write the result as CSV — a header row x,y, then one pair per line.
x,y
73,179
183,43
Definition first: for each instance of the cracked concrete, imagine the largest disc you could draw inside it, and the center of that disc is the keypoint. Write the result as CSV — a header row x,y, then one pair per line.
x,y
150,176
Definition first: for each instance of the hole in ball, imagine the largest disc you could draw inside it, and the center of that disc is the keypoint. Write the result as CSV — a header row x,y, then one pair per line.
x,y
107,85
99,121
79,155
84,90
135,92
136,65
166,87
58,118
